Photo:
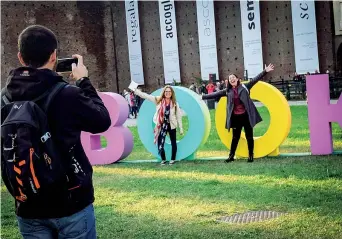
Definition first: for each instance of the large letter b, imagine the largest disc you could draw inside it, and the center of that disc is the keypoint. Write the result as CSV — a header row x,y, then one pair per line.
x,y
119,138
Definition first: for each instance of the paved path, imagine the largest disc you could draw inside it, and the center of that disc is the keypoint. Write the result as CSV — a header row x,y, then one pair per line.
x,y
133,122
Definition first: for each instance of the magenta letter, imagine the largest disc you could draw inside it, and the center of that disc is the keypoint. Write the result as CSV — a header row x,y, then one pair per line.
x,y
321,113
119,138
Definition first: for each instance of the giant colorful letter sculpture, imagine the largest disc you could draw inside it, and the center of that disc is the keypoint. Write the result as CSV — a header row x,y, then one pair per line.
x,y
280,122
321,113
119,138
199,124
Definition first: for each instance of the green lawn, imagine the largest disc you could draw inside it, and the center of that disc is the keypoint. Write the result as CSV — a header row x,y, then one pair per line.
x,y
183,201
145,200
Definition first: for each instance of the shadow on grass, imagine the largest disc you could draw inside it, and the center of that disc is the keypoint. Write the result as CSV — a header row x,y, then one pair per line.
x,y
263,194
113,224
303,167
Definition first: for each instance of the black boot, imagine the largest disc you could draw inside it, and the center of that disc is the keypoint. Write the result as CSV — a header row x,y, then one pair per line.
x,y
229,159
250,158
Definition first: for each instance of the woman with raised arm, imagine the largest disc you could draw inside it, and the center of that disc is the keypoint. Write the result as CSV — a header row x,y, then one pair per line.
x,y
167,117
241,111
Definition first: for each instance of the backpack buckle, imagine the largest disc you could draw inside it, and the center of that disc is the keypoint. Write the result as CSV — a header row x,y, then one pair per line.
x,y
45,137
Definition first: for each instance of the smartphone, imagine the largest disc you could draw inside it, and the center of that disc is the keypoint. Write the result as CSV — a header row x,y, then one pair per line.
x,y
64,64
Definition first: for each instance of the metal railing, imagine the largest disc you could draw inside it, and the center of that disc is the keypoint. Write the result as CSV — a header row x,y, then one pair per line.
x,y
296,90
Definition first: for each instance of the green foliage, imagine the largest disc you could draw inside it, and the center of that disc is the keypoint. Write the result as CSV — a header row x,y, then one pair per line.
x,y
198,79
176,83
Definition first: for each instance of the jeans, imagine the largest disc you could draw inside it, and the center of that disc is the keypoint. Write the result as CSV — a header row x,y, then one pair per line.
x,y
80,225
129,110
134,111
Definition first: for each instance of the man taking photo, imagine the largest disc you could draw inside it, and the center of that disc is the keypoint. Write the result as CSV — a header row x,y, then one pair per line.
x,y
63,208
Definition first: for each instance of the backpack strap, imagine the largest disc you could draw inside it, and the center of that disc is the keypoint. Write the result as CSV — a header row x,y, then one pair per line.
x,y
4,99
50,94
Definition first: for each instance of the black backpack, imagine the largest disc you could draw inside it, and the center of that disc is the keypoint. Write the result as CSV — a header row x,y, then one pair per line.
x,y
31,166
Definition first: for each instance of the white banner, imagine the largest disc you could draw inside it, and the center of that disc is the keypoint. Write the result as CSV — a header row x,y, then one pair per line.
x,y
304,36
251,36
169,41
134,44
207,38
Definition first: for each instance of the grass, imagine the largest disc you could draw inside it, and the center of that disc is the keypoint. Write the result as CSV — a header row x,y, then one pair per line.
x,y
184,201
297,141
145,200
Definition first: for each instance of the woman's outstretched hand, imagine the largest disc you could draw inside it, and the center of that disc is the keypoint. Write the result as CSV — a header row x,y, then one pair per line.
x,y
269,68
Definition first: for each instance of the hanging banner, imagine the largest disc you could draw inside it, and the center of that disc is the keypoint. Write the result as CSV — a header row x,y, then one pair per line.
x,y
169,41
134,43
305,36
207,38
251,36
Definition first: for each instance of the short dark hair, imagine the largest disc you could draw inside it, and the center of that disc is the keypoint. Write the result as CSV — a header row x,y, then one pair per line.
x,y
36,44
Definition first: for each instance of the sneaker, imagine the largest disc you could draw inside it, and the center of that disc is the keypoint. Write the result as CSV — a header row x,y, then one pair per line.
x,y
229,159
250,159
172,162
163,162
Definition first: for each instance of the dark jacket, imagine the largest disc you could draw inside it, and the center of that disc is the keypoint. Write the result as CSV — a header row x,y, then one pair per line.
x,y
243,91
74,109
203,90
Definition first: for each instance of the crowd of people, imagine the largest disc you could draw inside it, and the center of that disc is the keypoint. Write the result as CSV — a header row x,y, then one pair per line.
x,y
134,103
298,81
209,88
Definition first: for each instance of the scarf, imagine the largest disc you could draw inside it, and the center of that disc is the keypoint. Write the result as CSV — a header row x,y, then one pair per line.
x,y
162,118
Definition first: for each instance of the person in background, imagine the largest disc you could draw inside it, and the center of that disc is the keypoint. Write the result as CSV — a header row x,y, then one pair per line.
x,y
210,87
241,111
297,82
133,105
193,87
138,101
128,99
222,85
226,82
296,77
218,86
203,89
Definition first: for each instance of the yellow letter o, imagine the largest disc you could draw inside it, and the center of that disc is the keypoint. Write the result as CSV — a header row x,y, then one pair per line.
x,y
278,130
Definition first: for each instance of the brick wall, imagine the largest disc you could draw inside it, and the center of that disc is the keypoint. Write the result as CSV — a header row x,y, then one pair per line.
x,y
87,28
81,27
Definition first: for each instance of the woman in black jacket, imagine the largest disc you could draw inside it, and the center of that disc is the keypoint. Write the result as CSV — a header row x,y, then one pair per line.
x,y
241,111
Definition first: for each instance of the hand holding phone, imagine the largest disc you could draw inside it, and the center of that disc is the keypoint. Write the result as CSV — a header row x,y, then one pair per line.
x,y
64,64
79,70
